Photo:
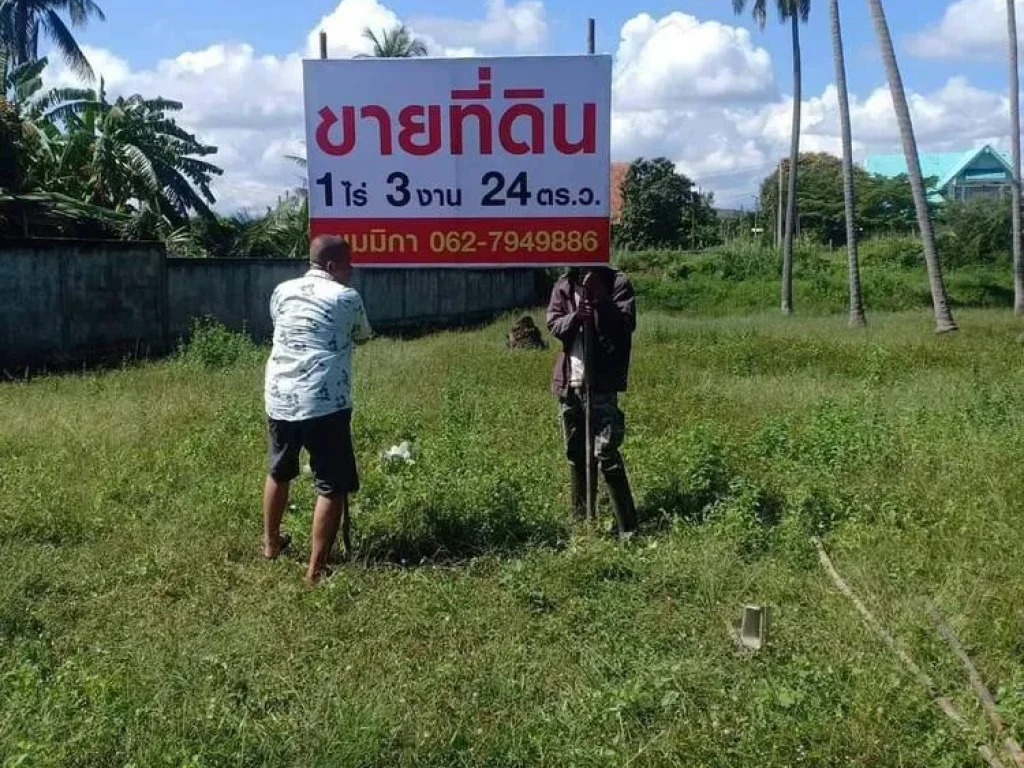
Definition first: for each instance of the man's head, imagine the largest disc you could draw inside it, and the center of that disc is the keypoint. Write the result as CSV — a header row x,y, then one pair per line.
x,y
333,255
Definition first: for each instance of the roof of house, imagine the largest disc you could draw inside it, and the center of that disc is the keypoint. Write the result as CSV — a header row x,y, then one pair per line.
x,y
619,171
945,166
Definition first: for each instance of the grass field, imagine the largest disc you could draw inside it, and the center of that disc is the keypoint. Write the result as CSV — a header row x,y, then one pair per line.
x,y
138,626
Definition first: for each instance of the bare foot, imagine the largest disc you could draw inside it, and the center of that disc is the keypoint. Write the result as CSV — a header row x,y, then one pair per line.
x,y
271,552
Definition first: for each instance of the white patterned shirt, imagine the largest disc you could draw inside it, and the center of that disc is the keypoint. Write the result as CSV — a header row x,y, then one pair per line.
x,y
317,321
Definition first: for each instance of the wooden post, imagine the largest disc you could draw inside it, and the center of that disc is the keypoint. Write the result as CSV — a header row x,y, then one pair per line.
x,y
323,45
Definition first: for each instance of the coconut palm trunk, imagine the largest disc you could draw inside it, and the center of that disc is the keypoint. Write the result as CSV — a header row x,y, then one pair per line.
x,y
944,322
794,162
857,318
780,221
1018,258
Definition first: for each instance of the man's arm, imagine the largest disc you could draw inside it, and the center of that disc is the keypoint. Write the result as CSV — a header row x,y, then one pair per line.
x,y
562,319
361,330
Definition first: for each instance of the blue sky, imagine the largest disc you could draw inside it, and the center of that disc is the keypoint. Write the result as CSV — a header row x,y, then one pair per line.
x,y
237,73
143,33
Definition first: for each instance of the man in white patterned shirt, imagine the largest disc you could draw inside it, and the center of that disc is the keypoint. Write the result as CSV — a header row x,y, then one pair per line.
x,y
308,393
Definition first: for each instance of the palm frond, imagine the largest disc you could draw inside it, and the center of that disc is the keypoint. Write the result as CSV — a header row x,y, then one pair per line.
x,y
57,31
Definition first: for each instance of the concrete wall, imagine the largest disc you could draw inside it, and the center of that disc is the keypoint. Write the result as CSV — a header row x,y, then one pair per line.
x,y
64,301
76,300
234,291
237,292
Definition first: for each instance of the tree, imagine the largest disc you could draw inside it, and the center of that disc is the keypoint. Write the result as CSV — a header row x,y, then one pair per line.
x,y
793,11
944,321
395,43
702,227
128,155
857,318
1018,257
29,115
654,200
884,206
74,163
281,232
22,22
819,198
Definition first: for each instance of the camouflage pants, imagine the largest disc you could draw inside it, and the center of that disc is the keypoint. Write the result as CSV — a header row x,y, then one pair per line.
x,y
608,423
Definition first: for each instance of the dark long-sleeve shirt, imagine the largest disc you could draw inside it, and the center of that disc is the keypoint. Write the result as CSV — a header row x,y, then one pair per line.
x,y
615,322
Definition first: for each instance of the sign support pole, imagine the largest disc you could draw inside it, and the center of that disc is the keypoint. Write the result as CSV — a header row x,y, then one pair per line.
x,y
587,355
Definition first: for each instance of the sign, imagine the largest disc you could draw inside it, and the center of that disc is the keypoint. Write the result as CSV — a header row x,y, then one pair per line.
x,y
461,162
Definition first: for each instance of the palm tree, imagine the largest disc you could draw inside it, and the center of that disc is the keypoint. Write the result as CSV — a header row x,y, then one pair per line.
x,y
793,11
1018,258
857,318
281,232
944,322
395,43
22,21
780,217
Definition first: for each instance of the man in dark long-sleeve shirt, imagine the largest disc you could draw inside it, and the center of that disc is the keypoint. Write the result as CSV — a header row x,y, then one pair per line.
x,y
603,299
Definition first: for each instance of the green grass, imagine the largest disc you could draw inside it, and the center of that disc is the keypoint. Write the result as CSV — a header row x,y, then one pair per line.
x,y
138,625
743,279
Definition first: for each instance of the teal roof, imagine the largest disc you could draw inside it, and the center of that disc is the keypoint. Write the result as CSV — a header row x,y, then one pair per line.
x,y
944,166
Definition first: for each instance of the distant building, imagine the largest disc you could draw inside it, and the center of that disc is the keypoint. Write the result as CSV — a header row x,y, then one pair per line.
x,y
977,173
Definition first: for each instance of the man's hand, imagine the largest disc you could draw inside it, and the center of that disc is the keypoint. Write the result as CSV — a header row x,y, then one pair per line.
x,y
586,311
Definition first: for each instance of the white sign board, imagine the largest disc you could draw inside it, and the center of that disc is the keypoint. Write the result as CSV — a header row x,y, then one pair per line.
x,y
462,162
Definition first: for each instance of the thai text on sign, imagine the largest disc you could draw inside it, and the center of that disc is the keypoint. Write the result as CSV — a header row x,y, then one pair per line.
x,y
462,162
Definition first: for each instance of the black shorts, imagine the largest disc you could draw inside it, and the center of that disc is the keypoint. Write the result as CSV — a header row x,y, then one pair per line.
x,y
328,439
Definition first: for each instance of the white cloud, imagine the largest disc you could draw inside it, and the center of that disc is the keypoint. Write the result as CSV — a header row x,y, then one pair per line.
x,y
969,29
344,27
682,60
727,131
522,26
700,93
250,105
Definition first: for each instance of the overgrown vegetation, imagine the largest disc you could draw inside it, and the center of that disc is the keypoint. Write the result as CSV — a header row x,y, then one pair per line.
x,y
139,626
743,278
125,164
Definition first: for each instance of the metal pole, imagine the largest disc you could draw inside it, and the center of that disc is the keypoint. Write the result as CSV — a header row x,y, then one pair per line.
x,y
587,353
588,418
323,45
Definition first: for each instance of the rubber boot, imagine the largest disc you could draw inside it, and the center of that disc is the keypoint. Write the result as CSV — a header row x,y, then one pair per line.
x,y
626,524
578,479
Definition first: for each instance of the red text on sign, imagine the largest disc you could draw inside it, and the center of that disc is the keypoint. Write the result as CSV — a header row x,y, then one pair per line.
x,y
521,128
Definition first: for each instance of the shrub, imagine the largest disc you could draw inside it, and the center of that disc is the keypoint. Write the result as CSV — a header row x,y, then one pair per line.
x,y
891,252
212,346
978,232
